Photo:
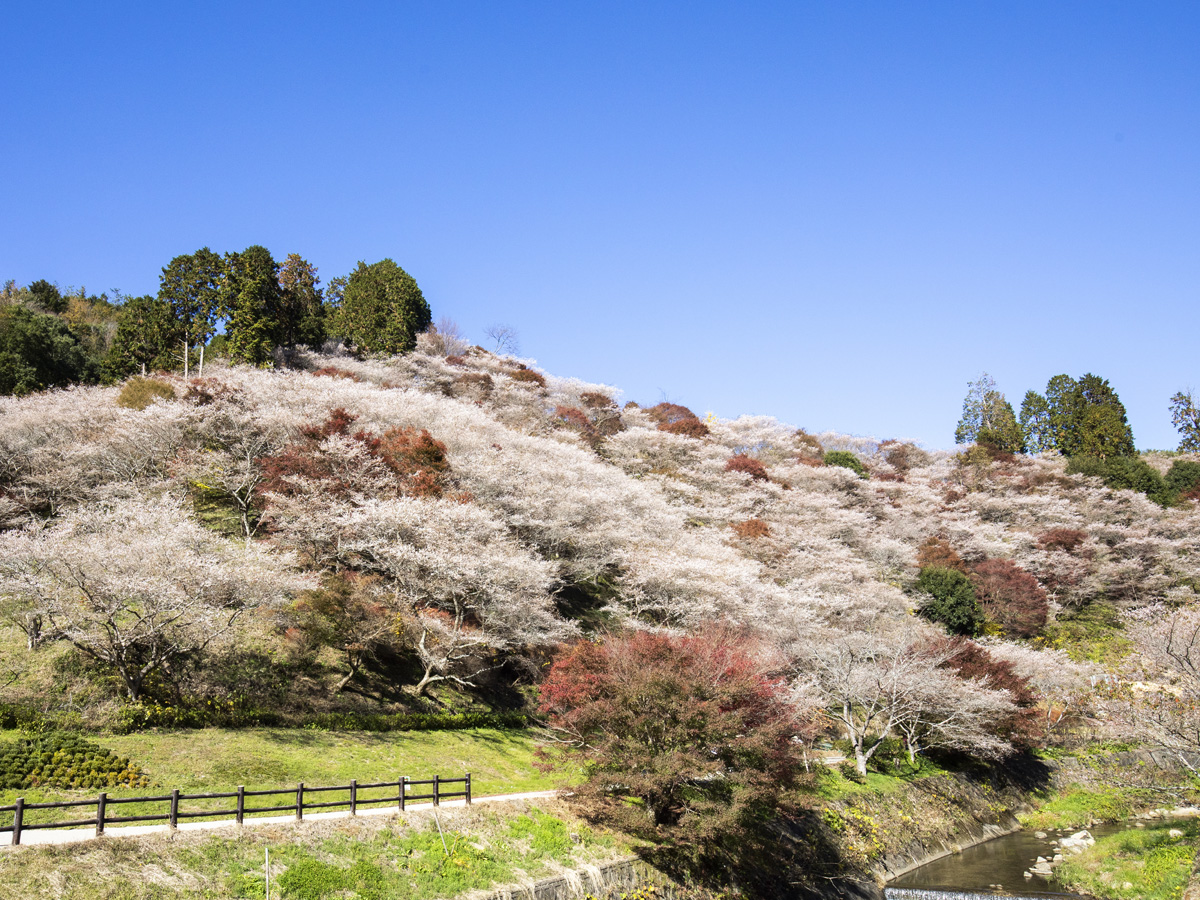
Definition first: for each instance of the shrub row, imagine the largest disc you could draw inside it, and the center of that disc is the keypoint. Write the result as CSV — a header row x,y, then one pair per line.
x,y
63,760
142,716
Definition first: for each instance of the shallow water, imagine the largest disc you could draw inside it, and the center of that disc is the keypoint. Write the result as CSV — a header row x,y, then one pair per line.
x,y
1000,861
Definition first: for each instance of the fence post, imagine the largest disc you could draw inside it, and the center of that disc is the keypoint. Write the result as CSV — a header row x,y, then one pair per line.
x,y
174,817
437,779
354,796
300,801
403,791
18,820
241,806
468,789
101,803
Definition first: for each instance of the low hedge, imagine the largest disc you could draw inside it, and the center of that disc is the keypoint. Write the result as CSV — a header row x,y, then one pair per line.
x,y
139,717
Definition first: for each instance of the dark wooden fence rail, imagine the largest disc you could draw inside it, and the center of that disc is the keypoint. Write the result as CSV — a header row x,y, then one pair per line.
x,y
297,803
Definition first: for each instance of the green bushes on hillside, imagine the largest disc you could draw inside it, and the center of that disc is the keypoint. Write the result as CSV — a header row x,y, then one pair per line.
x,y
846,460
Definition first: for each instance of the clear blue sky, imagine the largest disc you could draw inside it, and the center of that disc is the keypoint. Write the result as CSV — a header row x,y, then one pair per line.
x,y
836,213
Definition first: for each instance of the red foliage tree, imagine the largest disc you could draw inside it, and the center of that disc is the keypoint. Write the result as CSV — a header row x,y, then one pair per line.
x,y
971,662
417,459
413,456
937,553
676,419
748,465
1010,596
696,729
1065,539
751,528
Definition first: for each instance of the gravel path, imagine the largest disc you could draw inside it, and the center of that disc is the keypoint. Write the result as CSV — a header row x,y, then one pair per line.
x,y
75,835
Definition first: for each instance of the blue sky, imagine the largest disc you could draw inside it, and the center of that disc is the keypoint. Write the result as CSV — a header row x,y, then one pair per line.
x,y
835,213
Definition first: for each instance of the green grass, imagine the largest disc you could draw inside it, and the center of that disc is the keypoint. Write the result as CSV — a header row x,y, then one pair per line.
x,y
1078,806
1093,633
833,785
213,760
367,859
1154,865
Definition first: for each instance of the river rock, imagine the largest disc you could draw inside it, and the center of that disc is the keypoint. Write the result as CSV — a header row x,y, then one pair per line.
x,y
1040,835
1078,842
1175,833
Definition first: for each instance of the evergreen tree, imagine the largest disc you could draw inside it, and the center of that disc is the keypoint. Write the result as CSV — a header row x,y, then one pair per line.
x,y
301,312
48,297
1087,417
381,309
38,352
189,286
249,300
146,338
952,600
1035,423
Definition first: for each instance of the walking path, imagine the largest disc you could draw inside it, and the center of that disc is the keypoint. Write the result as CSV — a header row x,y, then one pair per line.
x,y
75,835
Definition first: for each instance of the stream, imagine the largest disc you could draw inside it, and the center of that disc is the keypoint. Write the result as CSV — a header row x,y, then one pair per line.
x,y
985,870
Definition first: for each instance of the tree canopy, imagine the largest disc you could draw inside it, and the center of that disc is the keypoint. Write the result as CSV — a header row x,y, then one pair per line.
x,y
381,309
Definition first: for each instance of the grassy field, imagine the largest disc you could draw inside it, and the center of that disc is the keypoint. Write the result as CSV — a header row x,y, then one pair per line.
x,y
1077,806
1144,863
212,760
396,857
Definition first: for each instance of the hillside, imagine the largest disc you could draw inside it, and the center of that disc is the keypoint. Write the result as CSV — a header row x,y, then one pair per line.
x,y
445,520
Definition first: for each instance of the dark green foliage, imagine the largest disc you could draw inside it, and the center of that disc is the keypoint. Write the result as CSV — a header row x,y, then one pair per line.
x,y
1035,423
249,299
1124,473
1084,417
189,285
39,352
234,713
62,760
139,392
846,460
148,338
952,600
381,310
48,297
1183,477
301,318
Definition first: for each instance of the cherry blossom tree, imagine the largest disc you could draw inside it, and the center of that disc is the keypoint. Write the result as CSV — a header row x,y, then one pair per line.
x,y
137,584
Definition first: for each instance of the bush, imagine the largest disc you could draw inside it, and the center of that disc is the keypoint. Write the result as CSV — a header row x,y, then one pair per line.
x,y
1011,597
136,717
675,419
1124,473
139,392
524,375
952,600
937,553
417,460
61,760
692,428
846,460
1183,477
1065,539
751,528
748,466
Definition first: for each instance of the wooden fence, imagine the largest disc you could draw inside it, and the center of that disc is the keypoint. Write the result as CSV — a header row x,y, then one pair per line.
x,y
297,804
